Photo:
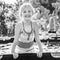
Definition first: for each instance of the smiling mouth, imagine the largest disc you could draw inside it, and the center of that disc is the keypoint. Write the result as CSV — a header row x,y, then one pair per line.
x,y
28,16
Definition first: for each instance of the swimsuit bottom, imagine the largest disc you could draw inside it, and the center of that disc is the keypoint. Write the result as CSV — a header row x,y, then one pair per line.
x,y
25,50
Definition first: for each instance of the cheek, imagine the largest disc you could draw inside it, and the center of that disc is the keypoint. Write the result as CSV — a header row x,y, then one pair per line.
x,y
22,14
31,13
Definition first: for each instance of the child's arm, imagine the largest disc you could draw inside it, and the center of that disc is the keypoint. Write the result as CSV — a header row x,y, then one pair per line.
x,y
37,37
16,37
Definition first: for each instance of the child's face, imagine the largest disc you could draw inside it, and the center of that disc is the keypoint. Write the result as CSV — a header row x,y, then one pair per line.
x,y
27,12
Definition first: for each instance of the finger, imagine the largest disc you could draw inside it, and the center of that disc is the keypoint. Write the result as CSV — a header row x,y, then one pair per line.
x,y
39,55
15,56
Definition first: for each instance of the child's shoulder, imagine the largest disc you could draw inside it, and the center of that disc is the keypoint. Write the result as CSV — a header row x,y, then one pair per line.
x,y
35,24
18,25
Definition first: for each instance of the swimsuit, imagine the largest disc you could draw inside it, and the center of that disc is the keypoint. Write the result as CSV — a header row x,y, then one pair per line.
x,y
28,42
28,33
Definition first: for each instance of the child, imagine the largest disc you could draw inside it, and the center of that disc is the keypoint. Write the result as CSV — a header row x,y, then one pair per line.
x,y
26,31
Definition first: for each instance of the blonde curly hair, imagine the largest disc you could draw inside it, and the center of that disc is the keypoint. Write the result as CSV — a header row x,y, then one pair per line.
x,y
23,6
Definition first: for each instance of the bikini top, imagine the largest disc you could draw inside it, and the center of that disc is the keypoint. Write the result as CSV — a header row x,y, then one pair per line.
x,y
28,33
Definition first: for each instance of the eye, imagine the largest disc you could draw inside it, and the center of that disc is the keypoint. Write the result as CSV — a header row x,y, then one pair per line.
x,y
29,11
24,12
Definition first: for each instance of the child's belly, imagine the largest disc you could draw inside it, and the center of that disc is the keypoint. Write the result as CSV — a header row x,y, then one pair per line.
x,y
24,38
25,45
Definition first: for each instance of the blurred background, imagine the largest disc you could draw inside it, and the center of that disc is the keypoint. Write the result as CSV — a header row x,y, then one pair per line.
x,y
47,15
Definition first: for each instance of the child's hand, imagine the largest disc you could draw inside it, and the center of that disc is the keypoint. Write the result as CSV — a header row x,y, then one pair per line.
x,y
39,54
15,55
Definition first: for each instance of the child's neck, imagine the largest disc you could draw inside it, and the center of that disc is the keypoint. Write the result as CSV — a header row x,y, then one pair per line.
x,y
27,21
